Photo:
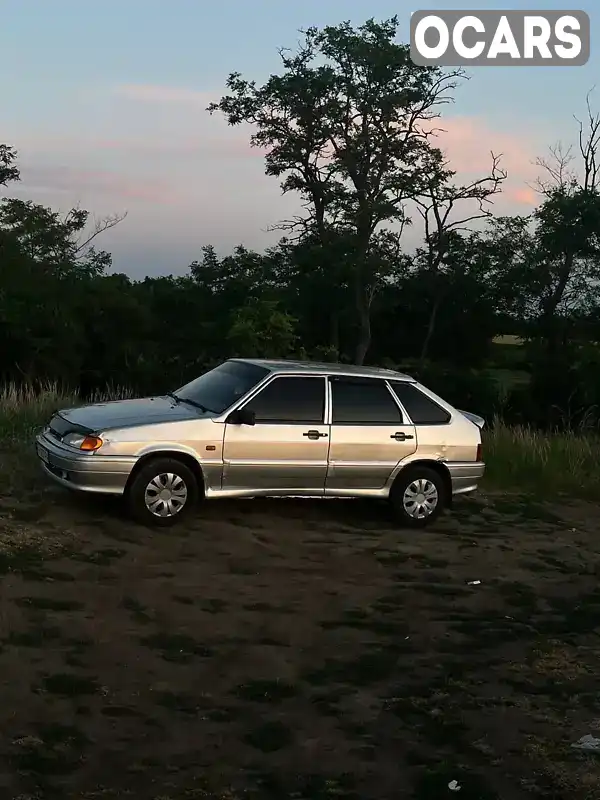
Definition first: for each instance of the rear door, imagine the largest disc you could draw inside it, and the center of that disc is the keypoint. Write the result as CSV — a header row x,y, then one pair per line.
x,y
369,435
432,423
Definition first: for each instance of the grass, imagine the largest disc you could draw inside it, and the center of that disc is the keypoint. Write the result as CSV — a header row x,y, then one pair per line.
x,y
541,463
517,457
24,409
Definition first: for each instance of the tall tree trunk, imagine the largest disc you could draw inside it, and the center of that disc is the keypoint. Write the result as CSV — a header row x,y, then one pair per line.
x,y
550,329
437,304
361,298
334,330
363,308
364,336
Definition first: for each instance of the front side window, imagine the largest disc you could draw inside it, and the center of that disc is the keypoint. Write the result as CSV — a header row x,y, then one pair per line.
x,y
290,400
220,388
363,402
420,408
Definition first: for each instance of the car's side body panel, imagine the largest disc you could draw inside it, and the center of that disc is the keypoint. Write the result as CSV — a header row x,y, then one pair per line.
x,y
313,458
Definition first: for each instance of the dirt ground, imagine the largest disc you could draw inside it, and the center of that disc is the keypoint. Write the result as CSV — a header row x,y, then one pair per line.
x,y
297,649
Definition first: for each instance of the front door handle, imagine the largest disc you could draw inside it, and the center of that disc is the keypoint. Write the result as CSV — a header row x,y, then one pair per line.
x,y
401,437
314,435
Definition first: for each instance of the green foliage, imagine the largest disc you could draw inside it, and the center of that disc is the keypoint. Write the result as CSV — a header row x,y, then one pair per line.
x,y
260,330
55,242
8,170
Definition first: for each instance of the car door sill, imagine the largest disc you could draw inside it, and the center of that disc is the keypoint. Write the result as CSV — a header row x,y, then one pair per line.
x,y
235,492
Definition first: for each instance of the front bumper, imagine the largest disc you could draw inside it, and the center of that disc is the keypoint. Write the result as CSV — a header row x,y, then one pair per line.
x,y
465,475
83,472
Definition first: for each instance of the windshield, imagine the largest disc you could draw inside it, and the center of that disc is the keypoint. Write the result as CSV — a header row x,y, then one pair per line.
x,y
220,388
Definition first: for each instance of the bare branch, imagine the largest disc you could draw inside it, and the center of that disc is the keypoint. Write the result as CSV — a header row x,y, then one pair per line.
x,y
101,225
560,171
440,200
589,141
557,167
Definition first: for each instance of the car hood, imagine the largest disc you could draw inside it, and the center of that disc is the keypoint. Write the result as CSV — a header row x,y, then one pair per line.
x,y
127,413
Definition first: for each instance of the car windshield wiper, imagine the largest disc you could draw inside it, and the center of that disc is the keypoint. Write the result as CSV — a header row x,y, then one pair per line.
x,y
188,401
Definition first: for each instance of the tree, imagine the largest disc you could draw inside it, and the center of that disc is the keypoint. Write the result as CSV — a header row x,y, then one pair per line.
x,y
437,206
568,229
9,171
346,125
62,243
259,329
46,264
508,252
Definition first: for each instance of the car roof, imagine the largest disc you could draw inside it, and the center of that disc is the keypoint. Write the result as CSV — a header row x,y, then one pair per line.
x,y
325,368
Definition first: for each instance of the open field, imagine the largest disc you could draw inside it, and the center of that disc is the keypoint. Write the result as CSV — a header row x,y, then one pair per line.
x,y
296,649
301,649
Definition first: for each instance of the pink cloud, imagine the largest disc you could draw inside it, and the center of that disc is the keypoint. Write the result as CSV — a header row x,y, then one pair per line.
x,y
469,142
45,178
166,133
524,196
230,143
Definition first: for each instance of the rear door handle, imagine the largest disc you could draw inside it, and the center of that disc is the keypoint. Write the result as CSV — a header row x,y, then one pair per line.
x,y
401,437
314,435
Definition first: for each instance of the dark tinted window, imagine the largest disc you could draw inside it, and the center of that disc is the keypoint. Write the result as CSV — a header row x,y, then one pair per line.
x,y
221,387
300,400
357,402
420,408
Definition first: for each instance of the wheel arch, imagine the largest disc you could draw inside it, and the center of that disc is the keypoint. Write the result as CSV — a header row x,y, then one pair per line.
x,y
190,462
437,466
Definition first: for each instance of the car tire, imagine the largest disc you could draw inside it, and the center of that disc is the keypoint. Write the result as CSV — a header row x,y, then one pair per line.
x,y
412,494
175,477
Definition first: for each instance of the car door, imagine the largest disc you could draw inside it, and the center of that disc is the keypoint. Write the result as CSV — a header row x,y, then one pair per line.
x,y
286,450
369,436
432,423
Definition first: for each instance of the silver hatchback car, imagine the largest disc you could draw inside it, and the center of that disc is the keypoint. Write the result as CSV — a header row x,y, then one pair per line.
x,y
271,428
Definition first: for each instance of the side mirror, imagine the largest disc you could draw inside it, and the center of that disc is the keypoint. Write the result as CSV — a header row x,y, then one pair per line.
x,y
242,416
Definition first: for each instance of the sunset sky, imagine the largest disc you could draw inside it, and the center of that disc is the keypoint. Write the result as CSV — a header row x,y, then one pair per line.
x,y
105,103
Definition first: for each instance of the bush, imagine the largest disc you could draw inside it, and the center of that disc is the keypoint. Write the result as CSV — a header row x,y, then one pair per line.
x,y
562,394
24,409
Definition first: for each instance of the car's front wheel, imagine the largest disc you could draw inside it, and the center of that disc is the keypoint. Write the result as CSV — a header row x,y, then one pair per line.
x,y
418,496
162,492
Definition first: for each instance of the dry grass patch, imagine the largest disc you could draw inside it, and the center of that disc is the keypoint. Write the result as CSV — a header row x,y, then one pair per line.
x,y
547,464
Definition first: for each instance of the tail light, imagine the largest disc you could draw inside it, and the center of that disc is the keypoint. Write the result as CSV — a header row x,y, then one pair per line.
x,y
479,452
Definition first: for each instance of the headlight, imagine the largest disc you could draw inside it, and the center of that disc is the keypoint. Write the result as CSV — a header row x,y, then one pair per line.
x,y
81,442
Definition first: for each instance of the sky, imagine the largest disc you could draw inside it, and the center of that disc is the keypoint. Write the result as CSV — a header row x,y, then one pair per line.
x,y
105,103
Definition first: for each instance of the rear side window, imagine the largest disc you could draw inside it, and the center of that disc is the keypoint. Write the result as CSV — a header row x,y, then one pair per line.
x,y
420,408
363,402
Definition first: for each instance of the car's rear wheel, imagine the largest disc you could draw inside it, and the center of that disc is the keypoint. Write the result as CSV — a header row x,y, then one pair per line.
x,y
418,496
162,492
